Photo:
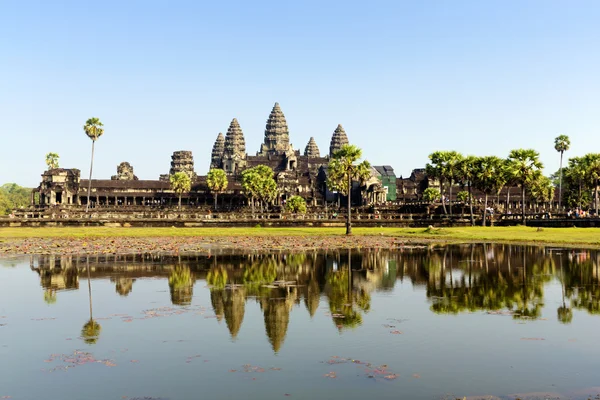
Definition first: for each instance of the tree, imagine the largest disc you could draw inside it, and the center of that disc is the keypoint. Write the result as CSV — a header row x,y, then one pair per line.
x,y
465,175
13,196
592,167
91,329
258,183
180,183
575,175
524,166
542,189
93,128
451,172
463,197
52,160
561,144
296,204
490,177
342,170
436,169
431,195
217,182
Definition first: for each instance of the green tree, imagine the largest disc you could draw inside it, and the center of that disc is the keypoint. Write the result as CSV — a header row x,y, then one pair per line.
x,y
542,190
13,196
592,166
452,172
180,183
91,329
436,169
561,144
431,195
296,204
575,175
52,160
93,128
524,167
342,170
259,184
465,175
490,177
217,182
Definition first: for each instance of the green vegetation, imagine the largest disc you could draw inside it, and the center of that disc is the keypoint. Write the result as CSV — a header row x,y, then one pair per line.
x,y
216,179
52,160
259,184
342,170
13,196
93,129
518,234
180,183
296,204
561,144
431,195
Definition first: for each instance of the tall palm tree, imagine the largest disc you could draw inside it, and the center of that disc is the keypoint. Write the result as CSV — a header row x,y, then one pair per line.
x,y
576,172
592,165
91,329
93,128
342,170
451,172
436,169
489,178
524,166
180,183
216,179
561,144
52,160
465,175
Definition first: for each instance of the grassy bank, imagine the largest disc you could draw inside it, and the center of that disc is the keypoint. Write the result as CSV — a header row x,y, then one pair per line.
x,y
572,236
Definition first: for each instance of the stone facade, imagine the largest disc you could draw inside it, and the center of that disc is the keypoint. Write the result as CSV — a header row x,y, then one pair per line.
x,y
217,151
311,149
277,135
338,139
124,173
181,161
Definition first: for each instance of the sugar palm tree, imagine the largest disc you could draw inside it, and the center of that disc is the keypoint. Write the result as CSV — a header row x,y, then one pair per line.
x,y
592,166
52,160
91,329
180,183
576,172
217,182
342,169
93,128
489,178
561,144
436,170
465,175
451,172
524,166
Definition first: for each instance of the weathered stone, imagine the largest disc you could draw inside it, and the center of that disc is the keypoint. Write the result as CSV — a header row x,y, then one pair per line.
x,y
124,173
217,151
338,139
312,150
234,153
183,161
277,135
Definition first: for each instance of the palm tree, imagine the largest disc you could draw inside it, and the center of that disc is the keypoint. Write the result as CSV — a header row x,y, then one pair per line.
x,y
217,182
489,178
524,166
576,172
465,169
180,183
258,183
52,160
451,172
592,166
342,170
436,169
91,329
561,144
93,129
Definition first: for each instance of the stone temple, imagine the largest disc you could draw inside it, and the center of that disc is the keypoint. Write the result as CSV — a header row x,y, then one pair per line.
x,y
296,173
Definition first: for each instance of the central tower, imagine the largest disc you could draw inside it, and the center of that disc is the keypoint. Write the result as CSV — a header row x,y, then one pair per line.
x,y
277,135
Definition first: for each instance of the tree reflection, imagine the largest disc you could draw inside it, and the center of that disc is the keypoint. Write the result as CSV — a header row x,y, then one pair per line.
x,y
91,329
181,285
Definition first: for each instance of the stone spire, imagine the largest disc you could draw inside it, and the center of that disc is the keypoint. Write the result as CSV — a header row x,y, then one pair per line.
x,y
338,139
235,145
312,150
183,161
277,135
217,151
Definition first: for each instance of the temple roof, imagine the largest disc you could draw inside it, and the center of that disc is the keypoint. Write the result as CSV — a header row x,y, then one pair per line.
x,y
312,150
217,151
277,135
235,143
338,139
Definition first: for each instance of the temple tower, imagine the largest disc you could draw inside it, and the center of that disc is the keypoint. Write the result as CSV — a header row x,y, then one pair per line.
x,y
312,150
183,161
234,152
277,135
217,151
338,139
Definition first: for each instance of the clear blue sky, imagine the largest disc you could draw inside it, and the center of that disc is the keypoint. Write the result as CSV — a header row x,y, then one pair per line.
x,y
403,78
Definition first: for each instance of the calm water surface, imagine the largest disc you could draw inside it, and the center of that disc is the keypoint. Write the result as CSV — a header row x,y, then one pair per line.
x,y
417,323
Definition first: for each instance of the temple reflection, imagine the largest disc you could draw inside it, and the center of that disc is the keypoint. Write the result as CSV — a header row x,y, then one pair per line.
x,y
497,278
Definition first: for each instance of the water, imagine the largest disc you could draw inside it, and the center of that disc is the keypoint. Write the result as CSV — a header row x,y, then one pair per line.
x,y
416,323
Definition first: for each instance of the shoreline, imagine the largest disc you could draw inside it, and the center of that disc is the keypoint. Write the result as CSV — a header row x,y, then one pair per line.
x,y
71,241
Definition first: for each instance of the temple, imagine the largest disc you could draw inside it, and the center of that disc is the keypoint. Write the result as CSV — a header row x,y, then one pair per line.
x,y
296,173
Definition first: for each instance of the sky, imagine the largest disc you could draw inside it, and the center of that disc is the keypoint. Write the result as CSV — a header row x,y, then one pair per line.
x,y
404,78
